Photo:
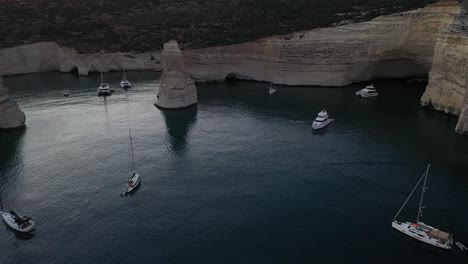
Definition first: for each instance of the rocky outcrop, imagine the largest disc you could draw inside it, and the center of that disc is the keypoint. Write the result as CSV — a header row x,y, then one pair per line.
x,y
448,81
11,117
48,56
397,46
177,89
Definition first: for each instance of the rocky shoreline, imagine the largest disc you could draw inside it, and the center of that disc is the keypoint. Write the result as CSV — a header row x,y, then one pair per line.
x,y
11,117
429,41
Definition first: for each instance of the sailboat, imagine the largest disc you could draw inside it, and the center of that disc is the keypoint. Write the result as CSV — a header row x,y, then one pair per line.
x,y
133,182
15,221
104,88
271,88
124,83
419,230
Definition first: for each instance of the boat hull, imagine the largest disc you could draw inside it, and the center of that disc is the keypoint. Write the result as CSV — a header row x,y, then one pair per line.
x,y
366,95
320,125
125,85
9,220
407,229
128,188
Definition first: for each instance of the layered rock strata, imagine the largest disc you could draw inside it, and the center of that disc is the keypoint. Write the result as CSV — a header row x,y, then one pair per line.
x,y
48,56
398,45
11,117
177,89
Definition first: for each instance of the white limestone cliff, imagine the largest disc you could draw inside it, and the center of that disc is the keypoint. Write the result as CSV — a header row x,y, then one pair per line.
x,y
398,45
177,89
11,117
48,56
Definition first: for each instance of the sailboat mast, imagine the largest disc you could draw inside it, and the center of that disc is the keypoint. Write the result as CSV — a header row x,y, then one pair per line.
x,y
125,75
422,194
131,146
102,77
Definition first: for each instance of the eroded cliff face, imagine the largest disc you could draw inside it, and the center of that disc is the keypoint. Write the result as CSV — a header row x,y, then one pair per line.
x,y
48,56
399,45
177,89
448,81
11,117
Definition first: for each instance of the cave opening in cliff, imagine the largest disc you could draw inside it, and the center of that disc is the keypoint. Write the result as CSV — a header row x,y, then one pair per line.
x,y
231,77
74,70
395,66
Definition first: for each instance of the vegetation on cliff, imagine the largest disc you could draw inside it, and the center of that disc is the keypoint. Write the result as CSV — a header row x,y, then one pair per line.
x,y
135,25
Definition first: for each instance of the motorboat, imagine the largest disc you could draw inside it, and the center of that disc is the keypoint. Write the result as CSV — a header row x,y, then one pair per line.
x,y
322,120
66,93
124,83
419,230
368,91
17,222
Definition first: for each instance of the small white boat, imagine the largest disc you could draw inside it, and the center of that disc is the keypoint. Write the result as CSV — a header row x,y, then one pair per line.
x,y
368,91
17,222
104,88
271,89
66,93
134,180
322,120
124,83
461,246
419,230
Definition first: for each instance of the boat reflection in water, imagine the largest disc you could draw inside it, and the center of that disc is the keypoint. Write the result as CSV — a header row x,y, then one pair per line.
x,y
178,125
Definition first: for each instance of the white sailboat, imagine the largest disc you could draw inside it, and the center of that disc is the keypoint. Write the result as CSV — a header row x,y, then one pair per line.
x,y
133,182
124,83
104,88
420,230
272,89
322,120
15,221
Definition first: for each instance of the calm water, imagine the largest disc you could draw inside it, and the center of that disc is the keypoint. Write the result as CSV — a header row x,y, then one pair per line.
x,y
240,179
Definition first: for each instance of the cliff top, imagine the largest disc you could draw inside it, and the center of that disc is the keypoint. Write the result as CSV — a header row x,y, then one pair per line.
x,y
134,25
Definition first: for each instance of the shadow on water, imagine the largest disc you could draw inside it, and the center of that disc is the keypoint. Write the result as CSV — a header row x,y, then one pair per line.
x,y
178,125
11,156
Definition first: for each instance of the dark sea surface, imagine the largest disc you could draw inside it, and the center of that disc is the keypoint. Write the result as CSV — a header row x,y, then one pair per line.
x,y
239,179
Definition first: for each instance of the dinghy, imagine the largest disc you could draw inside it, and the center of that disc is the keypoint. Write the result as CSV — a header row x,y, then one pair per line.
x,y
66,93
461,246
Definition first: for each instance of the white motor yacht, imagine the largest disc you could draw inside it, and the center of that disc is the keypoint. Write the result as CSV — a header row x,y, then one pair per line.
x,y
368,91
322,120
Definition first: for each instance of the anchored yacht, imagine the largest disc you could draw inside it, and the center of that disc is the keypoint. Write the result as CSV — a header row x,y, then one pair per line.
x,y
124,83
368,91
322,120
419,230
104,88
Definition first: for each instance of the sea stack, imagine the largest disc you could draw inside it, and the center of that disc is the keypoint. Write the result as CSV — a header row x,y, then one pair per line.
x,y
177,89
11,117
